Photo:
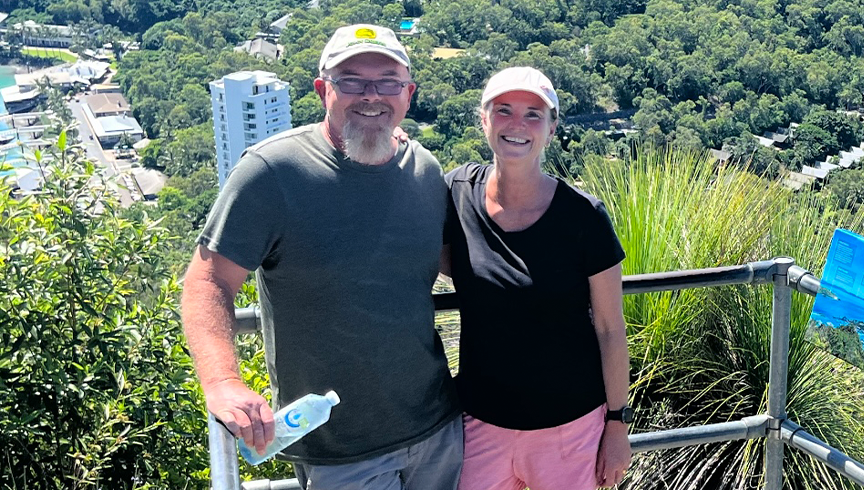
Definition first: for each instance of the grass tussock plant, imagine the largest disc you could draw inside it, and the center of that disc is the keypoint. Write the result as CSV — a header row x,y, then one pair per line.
x,y
701,356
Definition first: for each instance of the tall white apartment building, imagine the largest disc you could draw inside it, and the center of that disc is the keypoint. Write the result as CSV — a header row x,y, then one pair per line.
x,y
248,107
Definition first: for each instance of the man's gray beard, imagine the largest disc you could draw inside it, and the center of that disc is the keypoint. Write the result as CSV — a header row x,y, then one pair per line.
x,y
369,145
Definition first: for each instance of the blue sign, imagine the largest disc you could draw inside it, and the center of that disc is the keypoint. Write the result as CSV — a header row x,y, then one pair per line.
x,y
837,321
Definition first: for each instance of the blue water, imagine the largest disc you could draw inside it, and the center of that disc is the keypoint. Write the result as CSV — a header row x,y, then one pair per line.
x,y
406,25
14,157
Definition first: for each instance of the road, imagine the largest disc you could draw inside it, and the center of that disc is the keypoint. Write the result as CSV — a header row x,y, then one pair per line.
x,y
111,171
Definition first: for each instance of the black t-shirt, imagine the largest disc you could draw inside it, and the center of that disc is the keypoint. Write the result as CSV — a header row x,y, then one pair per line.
x,y
529,356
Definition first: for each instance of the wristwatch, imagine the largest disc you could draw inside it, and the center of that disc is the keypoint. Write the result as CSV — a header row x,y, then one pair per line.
x,y
625,415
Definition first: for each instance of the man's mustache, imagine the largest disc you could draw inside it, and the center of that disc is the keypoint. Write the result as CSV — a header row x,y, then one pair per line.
x,y
370,107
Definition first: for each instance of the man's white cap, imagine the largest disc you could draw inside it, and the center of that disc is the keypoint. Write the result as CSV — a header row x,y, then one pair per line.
x,y
521,79
362,38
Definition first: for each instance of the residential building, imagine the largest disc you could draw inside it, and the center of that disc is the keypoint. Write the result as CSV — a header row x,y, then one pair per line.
x,y
105,88
409,27
262,49
149,182
278,25
88,72
109,130
45,35
819,173
721,156
20,100
108,104
58,79
114,122
848,158
248,107
766,142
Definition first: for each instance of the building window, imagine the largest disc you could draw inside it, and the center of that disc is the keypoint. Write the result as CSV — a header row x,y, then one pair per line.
x,y
221,97
224,128
250,126
248,106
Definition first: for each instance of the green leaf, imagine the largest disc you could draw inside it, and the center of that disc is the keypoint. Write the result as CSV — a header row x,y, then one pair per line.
x,y
61,141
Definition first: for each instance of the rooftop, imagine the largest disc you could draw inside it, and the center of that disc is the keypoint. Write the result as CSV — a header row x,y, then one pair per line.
x,y
56,77
819,173
40,30
444,53
107,102
112,125
258,77
89,70
281,22
261,47
15,94
149,181
766,142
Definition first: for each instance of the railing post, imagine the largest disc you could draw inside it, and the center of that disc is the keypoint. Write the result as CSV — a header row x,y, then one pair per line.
x,y
224,465
781,319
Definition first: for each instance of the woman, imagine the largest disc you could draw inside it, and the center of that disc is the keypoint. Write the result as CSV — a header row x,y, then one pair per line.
x,y
543,350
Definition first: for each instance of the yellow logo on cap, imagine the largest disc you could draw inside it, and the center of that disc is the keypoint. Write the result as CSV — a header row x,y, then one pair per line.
x,y
365,33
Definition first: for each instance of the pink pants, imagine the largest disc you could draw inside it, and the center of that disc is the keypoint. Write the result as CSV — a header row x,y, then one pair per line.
x,y
559,458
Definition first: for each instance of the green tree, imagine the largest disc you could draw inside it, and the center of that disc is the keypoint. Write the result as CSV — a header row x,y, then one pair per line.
x,y
812,144
307,110
97,388
458,112
655,112
846,131
847,188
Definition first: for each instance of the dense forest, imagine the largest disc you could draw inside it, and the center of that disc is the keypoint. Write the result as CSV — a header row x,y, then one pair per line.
x,y
692,74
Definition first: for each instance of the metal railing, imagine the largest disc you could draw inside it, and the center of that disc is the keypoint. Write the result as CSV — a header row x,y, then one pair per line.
x,y
778,431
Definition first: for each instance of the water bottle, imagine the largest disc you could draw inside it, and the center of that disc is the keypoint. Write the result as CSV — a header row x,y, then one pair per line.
x,y
293,422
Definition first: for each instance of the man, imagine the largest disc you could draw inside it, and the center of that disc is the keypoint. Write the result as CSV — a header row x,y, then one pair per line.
x,y
343,224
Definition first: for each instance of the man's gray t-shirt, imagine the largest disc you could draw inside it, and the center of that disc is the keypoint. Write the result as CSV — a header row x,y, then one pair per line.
x,y
346,255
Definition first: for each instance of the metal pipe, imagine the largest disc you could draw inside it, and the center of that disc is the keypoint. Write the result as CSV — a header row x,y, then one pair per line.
x,y
750,273
746,428
291,484
804,281
247,320
781,318
792,434
224,465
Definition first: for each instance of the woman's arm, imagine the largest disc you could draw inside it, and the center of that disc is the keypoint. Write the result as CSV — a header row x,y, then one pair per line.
x,y
606,304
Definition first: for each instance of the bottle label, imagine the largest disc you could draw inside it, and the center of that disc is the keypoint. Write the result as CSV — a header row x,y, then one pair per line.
x,y
295,420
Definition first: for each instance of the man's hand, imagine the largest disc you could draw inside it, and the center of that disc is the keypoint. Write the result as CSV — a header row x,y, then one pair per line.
x,y
614,455
245,413
400,134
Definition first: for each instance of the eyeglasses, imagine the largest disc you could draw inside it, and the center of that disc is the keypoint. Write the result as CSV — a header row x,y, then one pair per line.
x,y
356,86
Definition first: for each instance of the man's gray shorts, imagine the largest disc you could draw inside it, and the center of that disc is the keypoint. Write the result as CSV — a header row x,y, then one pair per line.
x,y
432,464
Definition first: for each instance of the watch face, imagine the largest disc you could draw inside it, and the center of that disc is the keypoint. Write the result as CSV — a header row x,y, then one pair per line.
x,y
627,415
